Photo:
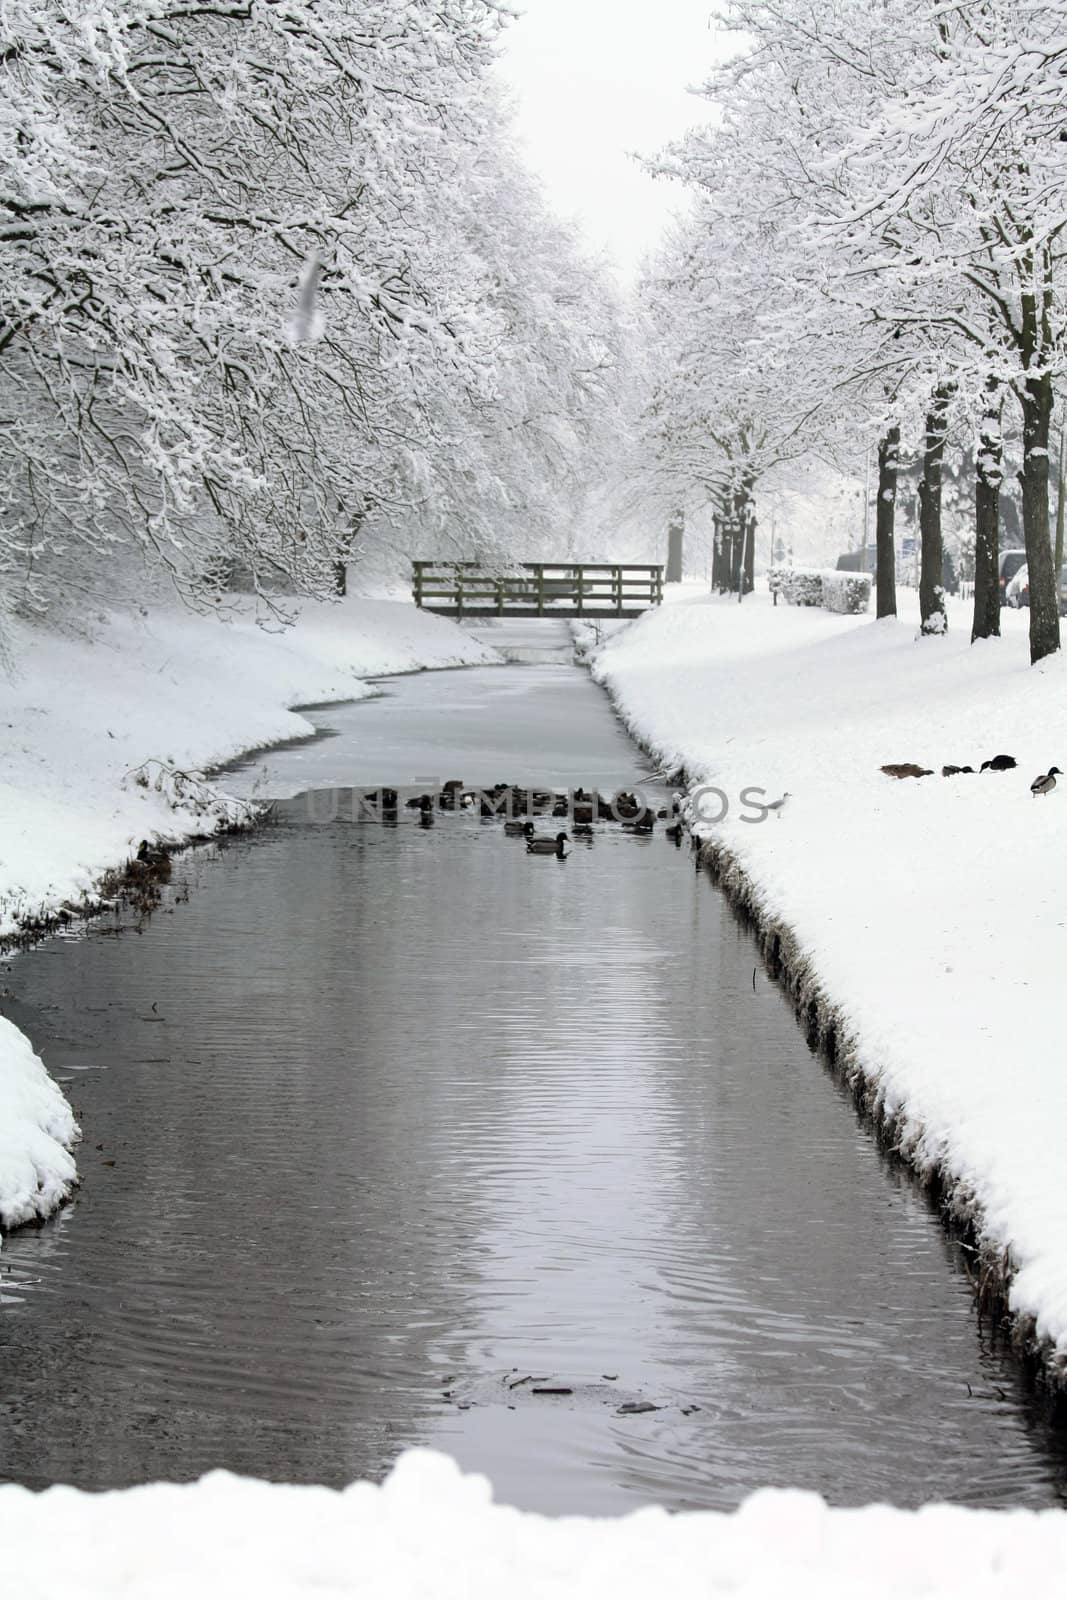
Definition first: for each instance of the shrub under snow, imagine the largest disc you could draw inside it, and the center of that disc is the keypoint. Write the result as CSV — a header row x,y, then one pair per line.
x,y
848,592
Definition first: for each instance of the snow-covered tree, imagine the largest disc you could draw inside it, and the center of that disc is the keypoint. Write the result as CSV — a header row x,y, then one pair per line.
x,y
931,158
275,285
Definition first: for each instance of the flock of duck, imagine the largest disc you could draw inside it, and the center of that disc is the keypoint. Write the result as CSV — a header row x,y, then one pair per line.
x,y
1044,783
518,807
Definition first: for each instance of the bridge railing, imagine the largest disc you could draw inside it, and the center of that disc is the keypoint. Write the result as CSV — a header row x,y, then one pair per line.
x,y
536,589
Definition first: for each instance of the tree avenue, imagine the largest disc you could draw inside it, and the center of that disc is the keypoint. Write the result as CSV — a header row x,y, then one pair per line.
x,y
276,287
881,190
279,296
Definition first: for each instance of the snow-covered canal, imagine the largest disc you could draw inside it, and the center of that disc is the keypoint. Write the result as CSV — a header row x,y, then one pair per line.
x,y
385,1124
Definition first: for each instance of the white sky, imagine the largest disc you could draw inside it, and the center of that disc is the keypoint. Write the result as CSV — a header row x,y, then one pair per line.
x,y
599,78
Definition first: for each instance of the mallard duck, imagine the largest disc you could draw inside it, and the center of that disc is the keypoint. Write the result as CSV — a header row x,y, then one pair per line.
x,y
154,860
906,769
642,824
539,846
954,772
518,827
1046,783
999,764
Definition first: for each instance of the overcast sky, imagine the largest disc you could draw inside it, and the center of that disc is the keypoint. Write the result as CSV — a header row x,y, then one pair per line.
x,y
596,79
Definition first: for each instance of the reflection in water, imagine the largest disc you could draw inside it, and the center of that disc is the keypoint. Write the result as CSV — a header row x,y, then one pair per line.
x,y
402,1118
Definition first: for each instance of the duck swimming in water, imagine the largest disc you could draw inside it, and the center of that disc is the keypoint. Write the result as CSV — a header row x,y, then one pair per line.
x,y
518,827
1045,783
539,846
642,824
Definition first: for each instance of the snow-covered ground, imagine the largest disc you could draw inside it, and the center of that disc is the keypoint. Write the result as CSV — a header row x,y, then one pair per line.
x,y
93,734
431,1534
933,912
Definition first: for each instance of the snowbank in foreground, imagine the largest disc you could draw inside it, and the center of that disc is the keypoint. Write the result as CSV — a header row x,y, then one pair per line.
x,y
933,911
428,1531
80,720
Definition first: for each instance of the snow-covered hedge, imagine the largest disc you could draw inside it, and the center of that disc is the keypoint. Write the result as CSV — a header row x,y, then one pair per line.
x,y
810,586
846,591
801,586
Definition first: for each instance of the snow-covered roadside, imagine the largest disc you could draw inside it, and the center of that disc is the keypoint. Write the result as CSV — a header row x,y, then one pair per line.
x,y
428,1531
81,721
925,918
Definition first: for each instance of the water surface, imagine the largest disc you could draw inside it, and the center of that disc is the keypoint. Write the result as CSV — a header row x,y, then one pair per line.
x,y
402,1120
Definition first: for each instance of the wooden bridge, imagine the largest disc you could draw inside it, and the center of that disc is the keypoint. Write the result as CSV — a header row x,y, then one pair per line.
x,y
536,589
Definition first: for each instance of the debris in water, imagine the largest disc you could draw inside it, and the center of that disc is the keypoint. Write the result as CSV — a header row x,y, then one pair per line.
x,y
634,1408
552,1388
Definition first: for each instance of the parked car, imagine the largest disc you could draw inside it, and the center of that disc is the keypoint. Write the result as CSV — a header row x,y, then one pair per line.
x,y
1010,562
1017,592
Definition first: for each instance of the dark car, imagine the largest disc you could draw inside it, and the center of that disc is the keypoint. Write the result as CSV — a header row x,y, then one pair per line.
x,y
1010,562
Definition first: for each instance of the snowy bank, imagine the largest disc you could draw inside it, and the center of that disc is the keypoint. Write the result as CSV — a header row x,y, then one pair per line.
x,y
95,732
428,1531
921,922
82,718
37,1132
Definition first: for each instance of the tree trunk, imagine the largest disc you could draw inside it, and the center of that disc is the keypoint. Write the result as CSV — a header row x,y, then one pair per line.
x,y
730,558
750,550
340,565
736,551
675,539
931,581
1037,400
716,554
886,571
1061,484
988,477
